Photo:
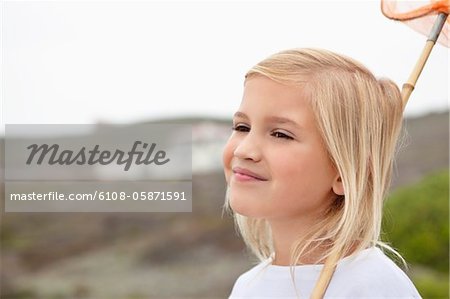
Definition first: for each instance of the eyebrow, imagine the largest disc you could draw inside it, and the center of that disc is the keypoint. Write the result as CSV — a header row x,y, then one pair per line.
x,y
275,119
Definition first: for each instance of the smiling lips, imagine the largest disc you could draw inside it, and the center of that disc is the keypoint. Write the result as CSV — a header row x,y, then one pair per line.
x,y
245,175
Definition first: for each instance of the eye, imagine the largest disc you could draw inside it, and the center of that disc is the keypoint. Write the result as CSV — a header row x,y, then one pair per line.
x,y
281,135
240,128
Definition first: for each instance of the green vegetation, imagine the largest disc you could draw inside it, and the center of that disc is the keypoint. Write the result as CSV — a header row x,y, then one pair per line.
x,y
416,223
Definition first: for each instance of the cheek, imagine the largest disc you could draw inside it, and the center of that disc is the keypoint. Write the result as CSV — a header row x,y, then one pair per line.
x,y
302,181
306,165
227,156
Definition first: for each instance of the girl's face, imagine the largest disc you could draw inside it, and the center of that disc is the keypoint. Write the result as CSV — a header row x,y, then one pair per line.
x,y
275,164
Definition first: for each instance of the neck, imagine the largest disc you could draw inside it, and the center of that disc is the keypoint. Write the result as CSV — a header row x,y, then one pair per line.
x,y
285,233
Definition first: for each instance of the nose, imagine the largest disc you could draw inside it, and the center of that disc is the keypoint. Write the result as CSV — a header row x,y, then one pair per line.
x,y
248,148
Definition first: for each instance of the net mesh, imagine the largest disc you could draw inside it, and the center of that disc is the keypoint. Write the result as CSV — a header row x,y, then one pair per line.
x,y
419,15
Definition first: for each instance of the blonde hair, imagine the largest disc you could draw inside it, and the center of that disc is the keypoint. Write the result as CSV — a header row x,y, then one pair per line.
x,y
360,120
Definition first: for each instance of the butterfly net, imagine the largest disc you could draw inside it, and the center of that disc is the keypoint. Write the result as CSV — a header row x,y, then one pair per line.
x,y
419,15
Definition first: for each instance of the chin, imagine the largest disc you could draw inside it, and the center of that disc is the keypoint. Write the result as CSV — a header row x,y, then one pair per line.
x,y
238,205
244,207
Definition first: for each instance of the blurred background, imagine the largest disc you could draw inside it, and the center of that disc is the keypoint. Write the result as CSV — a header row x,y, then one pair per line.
x,y
118,62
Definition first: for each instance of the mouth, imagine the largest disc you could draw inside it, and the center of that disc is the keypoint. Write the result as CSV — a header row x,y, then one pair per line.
x,y
242,174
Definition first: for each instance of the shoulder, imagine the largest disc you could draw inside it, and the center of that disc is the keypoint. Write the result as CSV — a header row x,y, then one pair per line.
x,y
247,277
264,280
371,272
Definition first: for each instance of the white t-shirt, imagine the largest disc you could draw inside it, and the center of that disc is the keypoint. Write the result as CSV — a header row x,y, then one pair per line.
x,y
368,274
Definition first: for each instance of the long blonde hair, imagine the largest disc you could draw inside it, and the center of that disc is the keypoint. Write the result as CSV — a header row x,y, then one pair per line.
x,y
359,118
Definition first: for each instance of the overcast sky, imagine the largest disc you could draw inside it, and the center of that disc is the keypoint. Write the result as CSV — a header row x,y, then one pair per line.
x,y
88,62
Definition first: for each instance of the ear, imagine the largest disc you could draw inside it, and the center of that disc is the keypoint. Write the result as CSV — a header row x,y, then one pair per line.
x,y
338,186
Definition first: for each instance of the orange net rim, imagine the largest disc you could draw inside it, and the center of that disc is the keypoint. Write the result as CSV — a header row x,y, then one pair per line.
x,y
421,16
389,9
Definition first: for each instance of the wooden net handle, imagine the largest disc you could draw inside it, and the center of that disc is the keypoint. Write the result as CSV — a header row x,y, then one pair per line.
x,y
408,87
325,276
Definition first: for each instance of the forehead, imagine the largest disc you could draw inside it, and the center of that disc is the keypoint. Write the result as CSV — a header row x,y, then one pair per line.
x,y
264,97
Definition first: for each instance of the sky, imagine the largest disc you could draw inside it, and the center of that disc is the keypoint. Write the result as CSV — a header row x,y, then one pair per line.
x,y
125,62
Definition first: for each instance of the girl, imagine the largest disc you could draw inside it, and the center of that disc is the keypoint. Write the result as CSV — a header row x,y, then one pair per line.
x,y
307,168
